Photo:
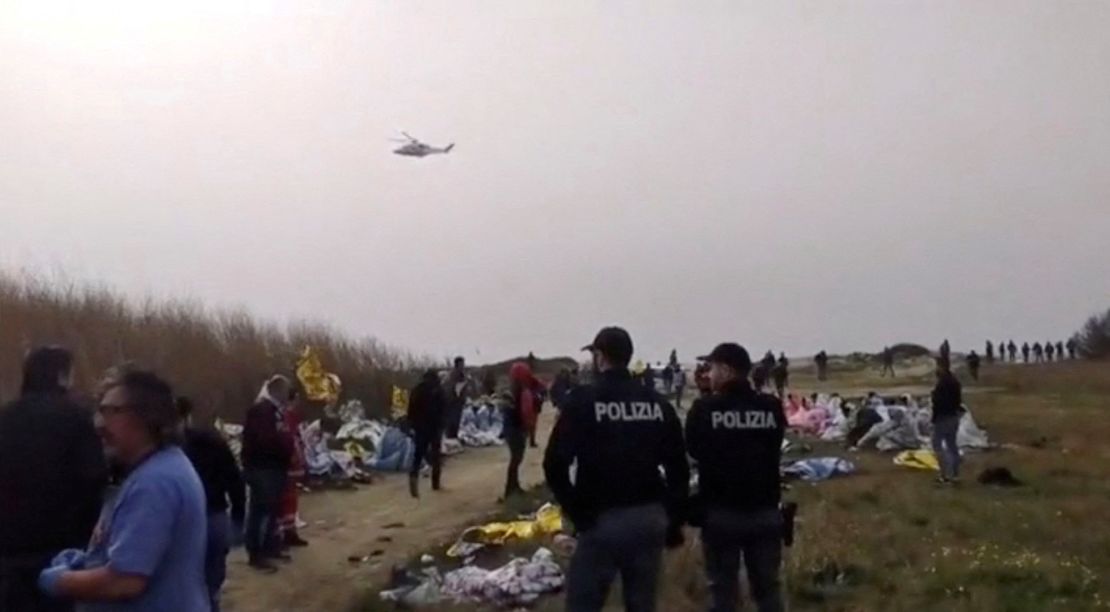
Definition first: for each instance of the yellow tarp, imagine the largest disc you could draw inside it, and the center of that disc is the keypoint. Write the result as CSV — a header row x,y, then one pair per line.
x,y
400,404
549,519
319,385
917,459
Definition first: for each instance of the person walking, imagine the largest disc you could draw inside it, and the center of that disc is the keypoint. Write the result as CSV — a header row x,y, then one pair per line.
x,y
619,434
1025,352
1060,351
1050,351
148,549
520,419
1038,352
735,437
1073,346
267,454
223,488
822,361
649,377
781,375
427,406
457,390
668,379
946,351
990,352
1013,351
888,362
973,362
679,386
947,409
52,475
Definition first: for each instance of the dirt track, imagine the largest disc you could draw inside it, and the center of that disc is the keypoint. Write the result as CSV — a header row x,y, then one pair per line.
x,y
346,523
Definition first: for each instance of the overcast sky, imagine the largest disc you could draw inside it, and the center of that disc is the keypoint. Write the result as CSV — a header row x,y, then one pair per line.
x,y
794,175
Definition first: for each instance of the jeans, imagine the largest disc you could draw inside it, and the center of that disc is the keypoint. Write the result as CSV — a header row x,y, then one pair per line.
x,y
625,540
215,555
756,536
266,486
945,446
515,439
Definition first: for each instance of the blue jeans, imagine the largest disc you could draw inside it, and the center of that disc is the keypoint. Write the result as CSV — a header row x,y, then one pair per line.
x,y
945,446
628,541
215,556
265,486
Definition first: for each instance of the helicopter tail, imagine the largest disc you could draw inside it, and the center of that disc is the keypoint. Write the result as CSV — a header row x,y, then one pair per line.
x,y
448,148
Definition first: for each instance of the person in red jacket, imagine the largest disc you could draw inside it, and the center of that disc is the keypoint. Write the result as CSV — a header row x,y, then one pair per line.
x,y
267,454
520,419
287,523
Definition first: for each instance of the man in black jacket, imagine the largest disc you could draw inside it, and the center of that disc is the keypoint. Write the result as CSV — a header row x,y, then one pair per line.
x,y
735,436
620,433
947,409
266,456
425,416
52,476
223,487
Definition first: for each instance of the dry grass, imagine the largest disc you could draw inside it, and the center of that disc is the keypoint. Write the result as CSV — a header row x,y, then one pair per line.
x,y
888,539
219,358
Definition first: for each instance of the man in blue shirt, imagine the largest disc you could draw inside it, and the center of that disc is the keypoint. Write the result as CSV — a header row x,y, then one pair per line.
x,y
147,551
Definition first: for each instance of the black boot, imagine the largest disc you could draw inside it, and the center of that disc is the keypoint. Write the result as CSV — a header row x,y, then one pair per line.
x,y
414,486
435,479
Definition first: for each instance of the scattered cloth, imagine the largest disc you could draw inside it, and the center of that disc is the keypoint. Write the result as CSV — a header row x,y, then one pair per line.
x,y
517,583
917,459
548,519
819,468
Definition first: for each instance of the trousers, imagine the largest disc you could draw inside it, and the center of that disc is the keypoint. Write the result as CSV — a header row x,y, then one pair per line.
x,y
729,537
626,541
215,556
515,439
266,486
945,445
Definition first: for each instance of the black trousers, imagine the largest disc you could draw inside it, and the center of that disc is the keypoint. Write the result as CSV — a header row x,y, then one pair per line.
x,y
752,540
427,449
265,487
515,439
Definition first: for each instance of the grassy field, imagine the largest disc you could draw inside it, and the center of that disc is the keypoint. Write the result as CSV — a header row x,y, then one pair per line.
x,y
888,539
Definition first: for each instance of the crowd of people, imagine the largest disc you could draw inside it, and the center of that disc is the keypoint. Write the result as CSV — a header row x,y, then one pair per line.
x,y
1036,353
132,507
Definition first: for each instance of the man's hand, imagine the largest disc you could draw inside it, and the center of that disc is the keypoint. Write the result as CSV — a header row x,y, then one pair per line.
x,y
71,558
49,577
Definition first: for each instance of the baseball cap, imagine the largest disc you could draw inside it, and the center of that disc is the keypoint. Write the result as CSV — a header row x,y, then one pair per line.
x,y
730,354
614,343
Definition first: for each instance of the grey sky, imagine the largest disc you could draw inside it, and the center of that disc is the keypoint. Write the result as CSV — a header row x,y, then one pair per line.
x,y
793,175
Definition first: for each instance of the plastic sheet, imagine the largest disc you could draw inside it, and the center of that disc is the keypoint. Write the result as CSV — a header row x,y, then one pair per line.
x,y
917,459
548,519
319,385
519,582
816,469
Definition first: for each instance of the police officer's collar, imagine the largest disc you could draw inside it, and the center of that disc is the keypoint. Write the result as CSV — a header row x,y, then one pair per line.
x,y
738,386
615,373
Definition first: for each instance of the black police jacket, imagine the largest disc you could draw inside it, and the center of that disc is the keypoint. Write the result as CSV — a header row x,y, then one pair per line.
x,y
736,439
620,433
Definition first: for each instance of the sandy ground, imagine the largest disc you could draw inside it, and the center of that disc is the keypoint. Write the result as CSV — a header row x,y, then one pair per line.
x,y
346,523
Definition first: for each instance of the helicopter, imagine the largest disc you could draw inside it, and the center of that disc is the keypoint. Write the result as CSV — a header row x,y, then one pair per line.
x,y
415,148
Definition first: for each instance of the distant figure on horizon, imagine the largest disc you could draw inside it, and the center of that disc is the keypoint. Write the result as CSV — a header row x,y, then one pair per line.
x,y
946,351
1025,352
668,378
1050,351
674,358
781,375
1038,352
531,360
888,362
990,352
822,361
455,392
1013,351
1060,351
649,377
973,365
760,375
768,361
1073,346
679,385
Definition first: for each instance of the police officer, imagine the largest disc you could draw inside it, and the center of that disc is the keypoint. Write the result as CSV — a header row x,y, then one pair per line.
x,y
735,436
620,433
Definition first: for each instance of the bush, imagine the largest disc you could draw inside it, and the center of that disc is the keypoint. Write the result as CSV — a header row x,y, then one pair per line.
x,y
1094,338
219,358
